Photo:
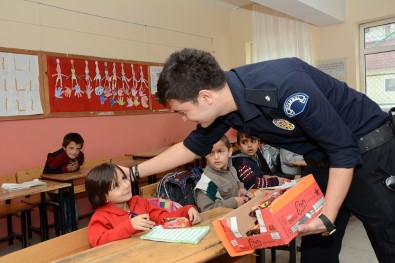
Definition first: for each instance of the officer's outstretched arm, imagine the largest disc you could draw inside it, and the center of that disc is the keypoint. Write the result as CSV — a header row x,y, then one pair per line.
x,y
175,156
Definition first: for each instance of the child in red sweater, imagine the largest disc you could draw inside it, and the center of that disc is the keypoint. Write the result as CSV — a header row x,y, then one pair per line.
x,y
119,214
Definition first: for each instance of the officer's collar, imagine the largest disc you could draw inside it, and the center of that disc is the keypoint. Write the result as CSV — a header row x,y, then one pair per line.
x,y
247,110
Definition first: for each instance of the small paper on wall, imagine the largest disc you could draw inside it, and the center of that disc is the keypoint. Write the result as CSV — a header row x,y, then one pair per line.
x,y
334,67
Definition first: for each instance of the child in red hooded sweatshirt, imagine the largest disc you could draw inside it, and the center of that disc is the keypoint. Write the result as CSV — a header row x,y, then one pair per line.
x,y
119,214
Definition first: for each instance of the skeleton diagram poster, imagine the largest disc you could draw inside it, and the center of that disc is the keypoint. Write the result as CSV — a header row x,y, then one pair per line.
x,y
89,85
19,85
154,73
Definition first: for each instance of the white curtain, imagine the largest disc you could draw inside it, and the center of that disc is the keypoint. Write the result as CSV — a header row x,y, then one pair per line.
x,y
276,35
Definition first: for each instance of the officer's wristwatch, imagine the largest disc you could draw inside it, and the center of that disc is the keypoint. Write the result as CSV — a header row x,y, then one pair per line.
x,y
331,228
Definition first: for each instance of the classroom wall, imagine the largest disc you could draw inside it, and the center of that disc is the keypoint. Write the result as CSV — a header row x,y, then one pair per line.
x,y
342,40
146,30
116,32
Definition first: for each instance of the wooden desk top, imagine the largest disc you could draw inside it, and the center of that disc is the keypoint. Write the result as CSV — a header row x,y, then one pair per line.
x,y
138,250
64,177
147,154
128,163
83,172
51,185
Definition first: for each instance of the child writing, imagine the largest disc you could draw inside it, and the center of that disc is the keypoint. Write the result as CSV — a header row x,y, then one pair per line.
x,y
118,213
252,169
67,159
219,185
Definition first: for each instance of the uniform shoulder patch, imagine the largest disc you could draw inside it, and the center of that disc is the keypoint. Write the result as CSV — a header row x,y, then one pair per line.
x,y
295,104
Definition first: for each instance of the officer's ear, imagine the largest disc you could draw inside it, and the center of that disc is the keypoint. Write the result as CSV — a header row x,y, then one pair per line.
x,y
205,96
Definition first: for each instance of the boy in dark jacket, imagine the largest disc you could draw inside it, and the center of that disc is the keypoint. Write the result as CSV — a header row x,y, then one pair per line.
x,y
252,169
67,159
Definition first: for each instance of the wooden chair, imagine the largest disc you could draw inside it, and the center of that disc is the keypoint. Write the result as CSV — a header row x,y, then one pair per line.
x,y
79,186
9,210
149,191
29,175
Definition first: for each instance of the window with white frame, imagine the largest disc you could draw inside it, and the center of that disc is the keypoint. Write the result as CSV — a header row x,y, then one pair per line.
x,y
378,61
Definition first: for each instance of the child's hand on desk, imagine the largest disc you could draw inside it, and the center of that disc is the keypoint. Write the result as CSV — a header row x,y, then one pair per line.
x,y
73,166
142,222
194,216
240,200
244,192
282,180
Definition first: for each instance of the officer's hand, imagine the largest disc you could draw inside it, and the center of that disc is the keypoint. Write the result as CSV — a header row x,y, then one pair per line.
x,y
314,227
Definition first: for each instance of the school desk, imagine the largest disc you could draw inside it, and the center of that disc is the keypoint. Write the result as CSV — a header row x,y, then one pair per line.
x,y
81,173
147,154
134,249
69,178
42,189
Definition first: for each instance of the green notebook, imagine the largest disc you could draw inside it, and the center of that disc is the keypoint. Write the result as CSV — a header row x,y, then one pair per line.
x,y
190,235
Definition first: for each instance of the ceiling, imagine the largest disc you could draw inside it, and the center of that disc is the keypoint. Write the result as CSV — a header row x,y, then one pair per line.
x,y
316,12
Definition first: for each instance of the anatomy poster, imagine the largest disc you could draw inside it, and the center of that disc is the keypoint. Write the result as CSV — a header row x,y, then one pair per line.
x,y
154,73
88,85
19,85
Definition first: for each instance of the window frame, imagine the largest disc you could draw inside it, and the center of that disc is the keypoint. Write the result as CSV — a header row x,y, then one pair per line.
x,y
363,51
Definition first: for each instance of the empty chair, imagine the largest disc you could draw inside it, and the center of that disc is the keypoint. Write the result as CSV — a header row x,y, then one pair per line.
x,y
10,209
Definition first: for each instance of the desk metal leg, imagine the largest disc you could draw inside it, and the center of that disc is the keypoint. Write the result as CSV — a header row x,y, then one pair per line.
x,y
72,207
43,218
61,213
292,251
24,229
261,255
152,179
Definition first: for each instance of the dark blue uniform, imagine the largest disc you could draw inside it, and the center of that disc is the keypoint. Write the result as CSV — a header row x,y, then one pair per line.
x,y
290,104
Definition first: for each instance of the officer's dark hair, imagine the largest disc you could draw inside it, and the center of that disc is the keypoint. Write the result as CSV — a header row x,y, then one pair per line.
x,y
99,181
72,137
185,73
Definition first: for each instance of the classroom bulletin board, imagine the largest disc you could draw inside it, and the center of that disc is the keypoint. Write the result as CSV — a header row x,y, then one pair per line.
x,y
95,86
36,84
21,95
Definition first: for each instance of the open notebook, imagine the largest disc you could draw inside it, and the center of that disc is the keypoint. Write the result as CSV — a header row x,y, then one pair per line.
x,y
190,235
28,184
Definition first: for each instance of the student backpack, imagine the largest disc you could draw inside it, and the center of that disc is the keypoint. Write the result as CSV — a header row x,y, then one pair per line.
x,y
178,186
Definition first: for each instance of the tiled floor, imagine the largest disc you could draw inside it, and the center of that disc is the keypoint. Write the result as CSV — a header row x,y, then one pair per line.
x,y
356,246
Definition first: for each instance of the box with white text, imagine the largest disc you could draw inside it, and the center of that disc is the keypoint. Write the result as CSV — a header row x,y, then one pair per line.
x,y
271,218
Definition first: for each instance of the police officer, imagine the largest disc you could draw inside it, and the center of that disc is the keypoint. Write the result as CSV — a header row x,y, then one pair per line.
x,y
346,140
